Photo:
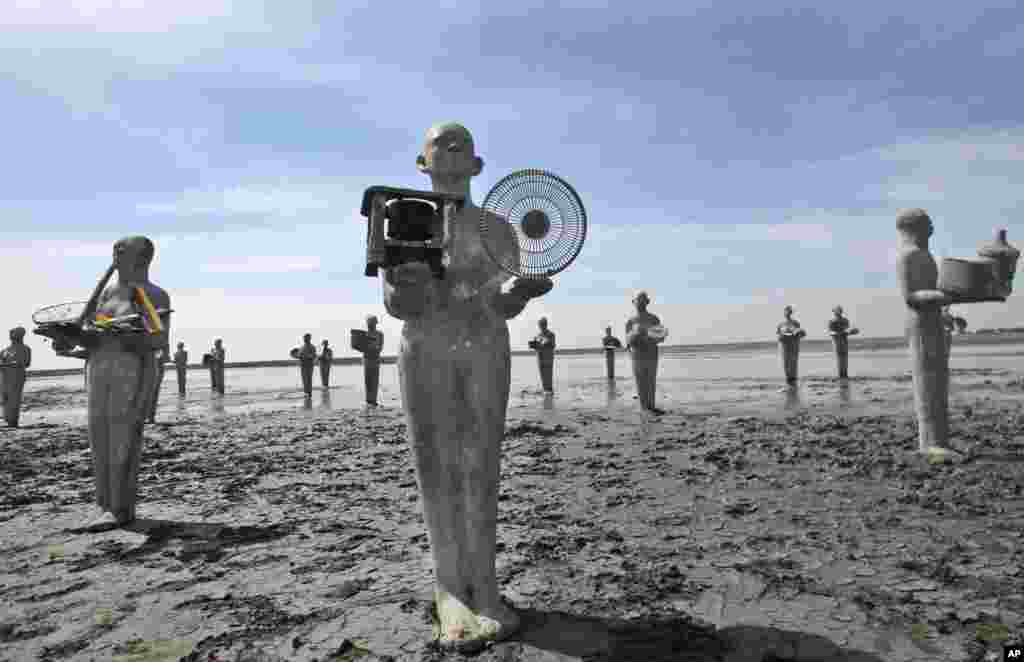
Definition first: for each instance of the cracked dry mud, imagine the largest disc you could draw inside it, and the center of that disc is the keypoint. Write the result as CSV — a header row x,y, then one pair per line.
x,y
271,536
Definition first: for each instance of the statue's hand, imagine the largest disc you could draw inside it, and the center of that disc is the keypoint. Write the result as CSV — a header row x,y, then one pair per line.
x,y
406,289
408,275
531,288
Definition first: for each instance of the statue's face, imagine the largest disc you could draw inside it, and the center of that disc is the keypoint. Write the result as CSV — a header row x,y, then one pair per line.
x,y
128,254
608,330
641,301
371,324
216,343
543,324
787,311
448,153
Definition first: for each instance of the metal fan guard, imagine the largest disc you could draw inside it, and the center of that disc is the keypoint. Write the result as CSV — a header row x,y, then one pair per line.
x,y
515,198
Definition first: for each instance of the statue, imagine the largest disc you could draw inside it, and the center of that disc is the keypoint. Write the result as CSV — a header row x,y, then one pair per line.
x,y
214,360
326,358
610,344
926,336
181,365
14,362
643,334
948,326
372,347
839,329
544,344
122,373
161,360
789,334
306,354
454,371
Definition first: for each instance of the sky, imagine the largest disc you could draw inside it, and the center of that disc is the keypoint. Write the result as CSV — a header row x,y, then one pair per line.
x,y
732,157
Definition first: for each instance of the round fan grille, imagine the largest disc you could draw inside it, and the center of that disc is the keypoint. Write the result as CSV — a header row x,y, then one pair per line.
x,y
546,216
61,312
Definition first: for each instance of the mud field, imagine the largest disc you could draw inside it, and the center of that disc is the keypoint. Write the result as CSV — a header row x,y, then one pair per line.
x,y
274,536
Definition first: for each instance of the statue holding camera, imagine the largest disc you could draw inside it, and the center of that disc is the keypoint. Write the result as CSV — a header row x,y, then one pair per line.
x,y
454,371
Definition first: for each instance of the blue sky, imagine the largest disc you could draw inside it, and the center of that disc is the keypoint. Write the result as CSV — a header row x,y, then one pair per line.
x,y
733,157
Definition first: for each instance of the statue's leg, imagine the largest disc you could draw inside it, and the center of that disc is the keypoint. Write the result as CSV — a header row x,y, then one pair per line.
x,y
456,417
126,409
307,378
99,380
609,360
371,377
220,379
17,390
546,375
181,381
929,355
325,374
639,377
652,378
788,350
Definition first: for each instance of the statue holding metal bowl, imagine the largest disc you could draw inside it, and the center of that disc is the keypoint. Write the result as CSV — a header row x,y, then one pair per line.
x,y
926,290
123,328
789,334
444,264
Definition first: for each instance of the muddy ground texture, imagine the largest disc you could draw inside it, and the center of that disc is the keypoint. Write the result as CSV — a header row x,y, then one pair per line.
x,y
280,536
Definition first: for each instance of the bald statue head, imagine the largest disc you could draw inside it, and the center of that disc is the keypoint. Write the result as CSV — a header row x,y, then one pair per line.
x,y
838,310
134,254
543,323
915,223
787,311
17,334
448,154
641,300
371,322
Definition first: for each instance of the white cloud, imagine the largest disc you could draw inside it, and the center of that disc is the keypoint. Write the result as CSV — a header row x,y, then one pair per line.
x,y
109,15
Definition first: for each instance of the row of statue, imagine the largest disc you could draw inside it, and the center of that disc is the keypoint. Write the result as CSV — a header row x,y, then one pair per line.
x,y
454,374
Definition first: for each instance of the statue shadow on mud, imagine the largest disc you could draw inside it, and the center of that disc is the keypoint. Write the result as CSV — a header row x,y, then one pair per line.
x,y
204,539
677,639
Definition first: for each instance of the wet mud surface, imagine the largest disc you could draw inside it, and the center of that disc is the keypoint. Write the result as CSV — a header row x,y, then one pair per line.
x,y
273,536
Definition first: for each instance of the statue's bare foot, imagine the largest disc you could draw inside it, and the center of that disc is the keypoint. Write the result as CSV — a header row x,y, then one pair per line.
x,y
103,521
124,517
469,631
939,455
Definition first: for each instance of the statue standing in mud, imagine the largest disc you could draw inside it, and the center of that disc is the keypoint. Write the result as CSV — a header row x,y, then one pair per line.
x,y
122,374
215,361
839,329
610,344
643,333
544,344
789,334
181,366
926,334
371,359
454,370
14,362
326,358
307,358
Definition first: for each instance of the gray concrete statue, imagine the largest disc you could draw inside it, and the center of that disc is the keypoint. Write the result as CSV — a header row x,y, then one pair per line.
x,y
789,334
544,344
371,359
454,371
306,355
14,363
122,374
839,329
326,359
610,344
215,360
643,334
181,366
926,334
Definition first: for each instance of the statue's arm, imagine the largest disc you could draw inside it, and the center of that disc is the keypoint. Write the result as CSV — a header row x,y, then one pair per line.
x,y
914,295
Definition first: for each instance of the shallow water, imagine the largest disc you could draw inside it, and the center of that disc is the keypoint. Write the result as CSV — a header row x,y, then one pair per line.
x,y
740,381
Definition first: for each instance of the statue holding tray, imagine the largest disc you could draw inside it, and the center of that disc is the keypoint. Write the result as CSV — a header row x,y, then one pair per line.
x,y
789,334
214,360
926,290
840,330
644,333
544,344
326,359
306,355
122,327
14,363
181,366
444,262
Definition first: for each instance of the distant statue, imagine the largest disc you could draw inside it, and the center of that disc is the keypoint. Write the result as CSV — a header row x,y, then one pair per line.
x,y
326,358
643,334
610,344
789,334
122,374
14,363
371,359
161,360
306,355
926,333
181,366
544,344
948,326
215,360
454,369
839,329
961,325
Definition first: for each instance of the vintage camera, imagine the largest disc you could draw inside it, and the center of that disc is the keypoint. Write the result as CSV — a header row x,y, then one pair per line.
x,y
415,226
